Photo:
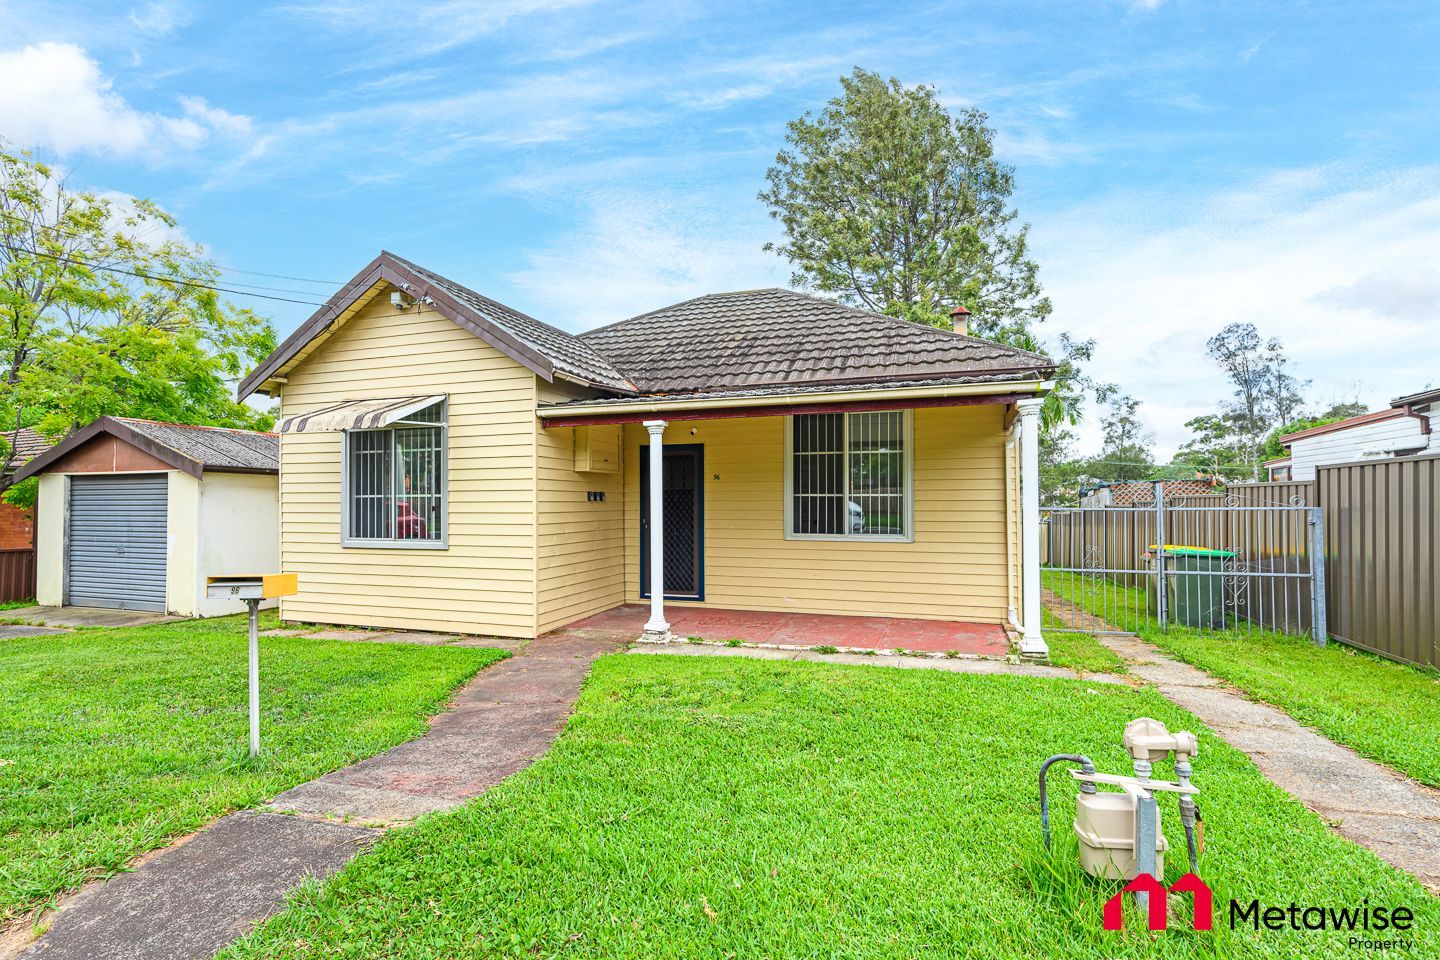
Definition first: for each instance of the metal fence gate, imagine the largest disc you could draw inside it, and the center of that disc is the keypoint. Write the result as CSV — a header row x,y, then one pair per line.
x,y
1231,563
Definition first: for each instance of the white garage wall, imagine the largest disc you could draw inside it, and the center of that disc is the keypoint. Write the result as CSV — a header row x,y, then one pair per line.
x,y
237,531
51,508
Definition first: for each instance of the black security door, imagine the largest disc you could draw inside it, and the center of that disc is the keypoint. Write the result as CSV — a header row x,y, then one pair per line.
x,y
683,504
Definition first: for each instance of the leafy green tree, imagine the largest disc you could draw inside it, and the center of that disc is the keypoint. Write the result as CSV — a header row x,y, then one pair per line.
x,y
891,203
1264,395
1126,452
96,318
1214,448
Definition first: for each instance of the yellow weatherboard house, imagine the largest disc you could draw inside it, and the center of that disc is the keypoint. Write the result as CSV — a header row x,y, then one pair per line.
x,y
449,463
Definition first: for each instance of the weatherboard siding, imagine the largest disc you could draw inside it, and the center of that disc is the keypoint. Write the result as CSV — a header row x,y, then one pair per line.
x,y
484,582
1376,440
954,569
581,542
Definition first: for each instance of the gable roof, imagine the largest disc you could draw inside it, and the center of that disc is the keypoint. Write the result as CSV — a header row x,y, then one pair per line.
x,y
545,350
756,338
725,341
186,447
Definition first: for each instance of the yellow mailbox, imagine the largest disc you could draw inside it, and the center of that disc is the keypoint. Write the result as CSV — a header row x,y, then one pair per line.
x,y
252,588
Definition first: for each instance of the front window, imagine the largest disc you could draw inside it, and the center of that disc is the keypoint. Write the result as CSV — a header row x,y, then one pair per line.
x,y
848,476
395,482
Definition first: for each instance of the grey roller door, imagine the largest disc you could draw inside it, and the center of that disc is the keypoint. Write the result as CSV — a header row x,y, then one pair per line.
x,y
116,548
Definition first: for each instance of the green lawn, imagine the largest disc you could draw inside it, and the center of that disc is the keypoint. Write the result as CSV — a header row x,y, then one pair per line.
x,y
1383,710
1078,651
699,807
113,741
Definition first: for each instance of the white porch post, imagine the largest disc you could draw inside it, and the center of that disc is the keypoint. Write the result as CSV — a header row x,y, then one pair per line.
x,y
656,627
1032,644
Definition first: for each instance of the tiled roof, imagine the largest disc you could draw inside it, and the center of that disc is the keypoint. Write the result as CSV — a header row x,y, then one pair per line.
x,y
217,448
757,338
566,351
26,443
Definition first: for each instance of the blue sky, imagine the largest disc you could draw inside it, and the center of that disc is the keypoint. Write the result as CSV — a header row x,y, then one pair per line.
x,y
1183,164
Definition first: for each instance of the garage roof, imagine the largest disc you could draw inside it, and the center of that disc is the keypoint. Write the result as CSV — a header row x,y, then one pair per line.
x,y
187,447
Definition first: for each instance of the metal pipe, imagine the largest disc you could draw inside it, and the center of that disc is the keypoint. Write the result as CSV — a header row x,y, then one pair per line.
x,y
254,606
1086,766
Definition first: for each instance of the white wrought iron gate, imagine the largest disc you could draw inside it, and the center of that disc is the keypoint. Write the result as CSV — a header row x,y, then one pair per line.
x,y
1212,562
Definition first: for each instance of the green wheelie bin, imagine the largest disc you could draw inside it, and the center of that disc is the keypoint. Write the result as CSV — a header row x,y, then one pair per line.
x,y
1194,590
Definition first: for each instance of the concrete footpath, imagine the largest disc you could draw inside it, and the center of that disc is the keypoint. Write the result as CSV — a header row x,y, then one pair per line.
x,y
1376,807
190,899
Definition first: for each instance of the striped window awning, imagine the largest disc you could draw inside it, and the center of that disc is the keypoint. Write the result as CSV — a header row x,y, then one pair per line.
x,y
356,414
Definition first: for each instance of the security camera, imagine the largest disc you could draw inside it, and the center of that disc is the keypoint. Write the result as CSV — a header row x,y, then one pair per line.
x,y
397,300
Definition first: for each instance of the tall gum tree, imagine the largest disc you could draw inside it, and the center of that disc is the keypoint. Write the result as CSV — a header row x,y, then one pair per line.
x,y
889,202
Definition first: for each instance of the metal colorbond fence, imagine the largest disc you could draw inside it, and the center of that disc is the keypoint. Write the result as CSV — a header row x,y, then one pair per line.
x,y
1382,548
17,574
1382,526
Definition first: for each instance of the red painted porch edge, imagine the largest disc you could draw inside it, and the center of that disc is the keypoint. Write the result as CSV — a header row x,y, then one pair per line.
x,y
782,409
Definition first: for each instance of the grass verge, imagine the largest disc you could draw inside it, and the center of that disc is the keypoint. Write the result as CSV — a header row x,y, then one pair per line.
x,y
699,807
114,741
1079,651
1383,710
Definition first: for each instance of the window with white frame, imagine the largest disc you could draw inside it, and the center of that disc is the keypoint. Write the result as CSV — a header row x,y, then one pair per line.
x,y
395,482
848,476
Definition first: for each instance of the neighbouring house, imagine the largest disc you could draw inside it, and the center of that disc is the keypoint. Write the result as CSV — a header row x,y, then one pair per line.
x,y
134,515
1129,493
17,526
1408,427
448,463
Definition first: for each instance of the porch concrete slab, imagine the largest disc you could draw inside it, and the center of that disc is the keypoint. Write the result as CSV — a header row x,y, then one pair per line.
x,y
86,617
811,630
193,898
1380,809
945,665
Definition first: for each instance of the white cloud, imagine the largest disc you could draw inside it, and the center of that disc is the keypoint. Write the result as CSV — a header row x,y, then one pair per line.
x,y
54,96
159,17
1341,269
636,250
430,27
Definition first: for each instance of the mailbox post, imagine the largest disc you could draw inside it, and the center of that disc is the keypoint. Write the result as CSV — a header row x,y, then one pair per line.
x,y
253,589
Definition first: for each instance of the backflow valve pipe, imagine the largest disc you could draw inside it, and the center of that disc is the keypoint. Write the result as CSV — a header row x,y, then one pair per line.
x,y
1086,766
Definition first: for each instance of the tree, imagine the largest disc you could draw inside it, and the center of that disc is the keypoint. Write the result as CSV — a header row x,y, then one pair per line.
x,y
1125,452
891,203
1282,393
96,319
1265,394
1214,448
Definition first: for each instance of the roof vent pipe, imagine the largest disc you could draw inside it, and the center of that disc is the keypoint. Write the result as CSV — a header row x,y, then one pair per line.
x,y
960,321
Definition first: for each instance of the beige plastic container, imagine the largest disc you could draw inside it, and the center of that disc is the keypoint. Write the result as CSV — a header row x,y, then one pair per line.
x,y
1105,825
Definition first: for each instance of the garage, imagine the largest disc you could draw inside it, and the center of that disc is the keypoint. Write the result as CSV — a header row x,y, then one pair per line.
x,y
117,542
135,514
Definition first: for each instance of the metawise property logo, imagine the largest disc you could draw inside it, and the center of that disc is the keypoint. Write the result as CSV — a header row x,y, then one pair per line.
x,y
1204,913
1369,927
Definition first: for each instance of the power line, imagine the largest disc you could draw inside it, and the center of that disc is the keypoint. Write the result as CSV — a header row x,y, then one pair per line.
x,y
218,266
145,276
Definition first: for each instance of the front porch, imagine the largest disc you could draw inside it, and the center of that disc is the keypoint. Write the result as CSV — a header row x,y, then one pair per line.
x,y
809,630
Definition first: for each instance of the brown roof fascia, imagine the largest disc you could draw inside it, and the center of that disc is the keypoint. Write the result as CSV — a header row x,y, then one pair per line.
x,y
113,427
384,267
780,409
